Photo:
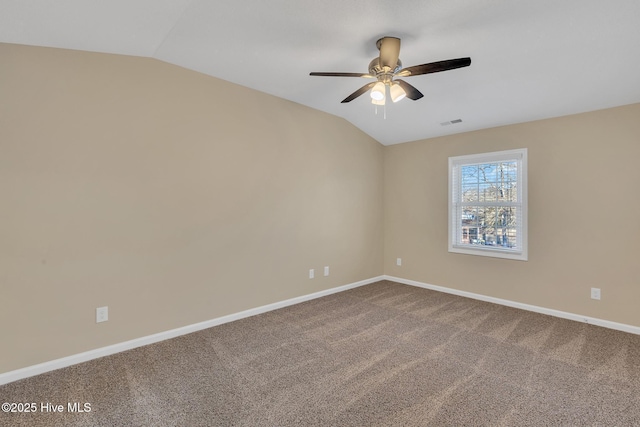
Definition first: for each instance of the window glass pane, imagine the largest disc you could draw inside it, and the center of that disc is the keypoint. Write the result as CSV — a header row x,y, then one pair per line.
x,y
487,226
469,174
475,226
472,236
487,192
511,238
506,193
508,172
488,172
506,227
488,236
469,224
469,216
470,193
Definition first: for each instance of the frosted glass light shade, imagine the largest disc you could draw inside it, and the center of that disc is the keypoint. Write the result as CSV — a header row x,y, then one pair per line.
x,y
396,92
377,92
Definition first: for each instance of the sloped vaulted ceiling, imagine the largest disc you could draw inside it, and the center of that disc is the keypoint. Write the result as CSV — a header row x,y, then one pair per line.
x,y
530,59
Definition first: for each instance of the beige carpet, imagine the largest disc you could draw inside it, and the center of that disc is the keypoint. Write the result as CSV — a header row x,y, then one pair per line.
x,y
383,354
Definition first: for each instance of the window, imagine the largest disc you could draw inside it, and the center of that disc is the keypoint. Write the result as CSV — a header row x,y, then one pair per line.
x,y
488,204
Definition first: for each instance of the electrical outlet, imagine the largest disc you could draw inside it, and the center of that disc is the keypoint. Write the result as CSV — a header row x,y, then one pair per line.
x,y
326,271
595,293
102,314
312,274
398,261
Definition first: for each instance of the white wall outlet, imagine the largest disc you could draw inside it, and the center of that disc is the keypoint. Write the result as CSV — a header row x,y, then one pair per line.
x,y
398,261
595,293
102,314
326,270
312,274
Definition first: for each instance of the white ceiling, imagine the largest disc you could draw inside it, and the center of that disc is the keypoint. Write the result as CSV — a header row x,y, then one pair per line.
x,y
530,59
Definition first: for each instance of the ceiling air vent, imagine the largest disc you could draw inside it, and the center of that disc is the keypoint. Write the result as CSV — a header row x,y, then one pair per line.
x,y
451,122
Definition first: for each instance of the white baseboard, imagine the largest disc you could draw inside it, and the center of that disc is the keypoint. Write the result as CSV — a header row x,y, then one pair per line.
x,y
52,365
556,313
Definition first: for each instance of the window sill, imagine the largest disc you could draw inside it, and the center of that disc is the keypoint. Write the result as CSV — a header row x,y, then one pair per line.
x,y
490,252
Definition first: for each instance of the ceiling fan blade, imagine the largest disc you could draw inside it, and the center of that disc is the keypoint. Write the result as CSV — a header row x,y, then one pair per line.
x,y
389,52
359,92
434,67
412,92
368,76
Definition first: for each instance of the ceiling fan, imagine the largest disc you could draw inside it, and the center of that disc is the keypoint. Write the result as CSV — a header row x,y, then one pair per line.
x,y
387,67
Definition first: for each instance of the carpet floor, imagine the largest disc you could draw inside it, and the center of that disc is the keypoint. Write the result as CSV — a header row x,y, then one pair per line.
x,y
383,354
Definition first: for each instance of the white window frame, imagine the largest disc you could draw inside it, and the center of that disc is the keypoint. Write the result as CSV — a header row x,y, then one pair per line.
x,y
455,204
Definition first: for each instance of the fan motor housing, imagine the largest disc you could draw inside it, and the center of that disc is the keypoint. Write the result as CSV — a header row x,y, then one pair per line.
x,y
375,69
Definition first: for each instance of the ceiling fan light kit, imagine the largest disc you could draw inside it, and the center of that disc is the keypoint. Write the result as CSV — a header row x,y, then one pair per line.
x,y
387,67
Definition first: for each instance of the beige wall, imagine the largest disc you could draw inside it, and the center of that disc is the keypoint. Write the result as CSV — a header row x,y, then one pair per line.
x,y
170,196
584,211
174,198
